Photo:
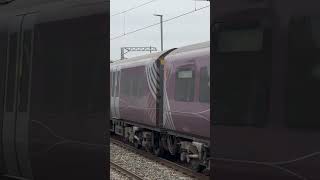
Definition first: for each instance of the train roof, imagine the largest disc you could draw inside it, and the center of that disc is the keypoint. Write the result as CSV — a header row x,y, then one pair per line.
x,y
139,59
191,47
154,56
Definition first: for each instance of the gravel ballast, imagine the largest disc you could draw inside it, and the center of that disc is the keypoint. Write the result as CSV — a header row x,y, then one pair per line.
x,y
141,166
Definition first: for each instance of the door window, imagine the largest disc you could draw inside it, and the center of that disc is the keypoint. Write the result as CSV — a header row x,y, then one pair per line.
x,y
184,90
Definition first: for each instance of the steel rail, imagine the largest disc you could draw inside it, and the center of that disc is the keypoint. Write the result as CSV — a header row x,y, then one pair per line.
x,y
124,172
165,162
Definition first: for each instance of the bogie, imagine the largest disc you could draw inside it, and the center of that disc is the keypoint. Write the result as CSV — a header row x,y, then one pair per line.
x,y
187,151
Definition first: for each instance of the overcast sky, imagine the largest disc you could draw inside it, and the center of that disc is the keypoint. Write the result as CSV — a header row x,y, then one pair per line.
x,y
185,30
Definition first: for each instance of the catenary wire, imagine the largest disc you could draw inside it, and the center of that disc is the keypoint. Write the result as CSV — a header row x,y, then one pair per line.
x,y
151,25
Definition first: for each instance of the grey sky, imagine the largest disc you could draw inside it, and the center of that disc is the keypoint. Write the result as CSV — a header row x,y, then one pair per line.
x,y
185,30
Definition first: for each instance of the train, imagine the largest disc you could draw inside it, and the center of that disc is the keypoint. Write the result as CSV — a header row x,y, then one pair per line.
x,y
266,90
53,100
161,102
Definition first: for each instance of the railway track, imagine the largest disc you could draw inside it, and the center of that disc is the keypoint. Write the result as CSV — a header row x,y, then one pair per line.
x,y
124,172
165,162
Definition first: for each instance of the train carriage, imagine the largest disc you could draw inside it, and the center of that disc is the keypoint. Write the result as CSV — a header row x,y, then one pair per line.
x,y
134,88
187,90
161,101
53,75
266,121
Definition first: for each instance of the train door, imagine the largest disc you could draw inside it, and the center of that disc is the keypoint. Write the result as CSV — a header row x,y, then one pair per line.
x,y
10,101
183,98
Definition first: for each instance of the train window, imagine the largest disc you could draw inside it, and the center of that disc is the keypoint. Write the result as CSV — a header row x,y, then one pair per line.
x,y
124,88
315,30
113,82
303,88
26,61
131,82
140,87
240,40
3,71
204,93
116,84
61,60
132,87
184,90
137,83
135,86
141,83
3,60
240,76
11,72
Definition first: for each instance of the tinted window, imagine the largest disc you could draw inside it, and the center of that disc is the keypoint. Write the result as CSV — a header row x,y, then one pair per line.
x,y
125,84
184,90
113,83
132,82
315,30
117,84
133,86
204,93
25,74
3,66
11,76
241,76
140,85
303,73
69,82
240,40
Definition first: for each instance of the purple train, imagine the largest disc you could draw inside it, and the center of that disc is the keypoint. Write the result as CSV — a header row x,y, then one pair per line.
x,y
161,102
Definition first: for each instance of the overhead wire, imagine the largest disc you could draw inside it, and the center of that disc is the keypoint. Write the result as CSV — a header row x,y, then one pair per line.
x,y
130,9
151,25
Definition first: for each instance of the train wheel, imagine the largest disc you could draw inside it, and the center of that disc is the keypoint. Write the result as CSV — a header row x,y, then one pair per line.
x,y
148,149
206,171
195,165
172,144
157,151
194,162
136,144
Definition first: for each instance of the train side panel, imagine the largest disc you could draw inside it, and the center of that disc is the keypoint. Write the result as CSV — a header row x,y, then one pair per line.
x,y
138,89
187,93
136,101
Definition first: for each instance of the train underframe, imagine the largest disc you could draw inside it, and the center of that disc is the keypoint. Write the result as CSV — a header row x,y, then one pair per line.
x,y
188,150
